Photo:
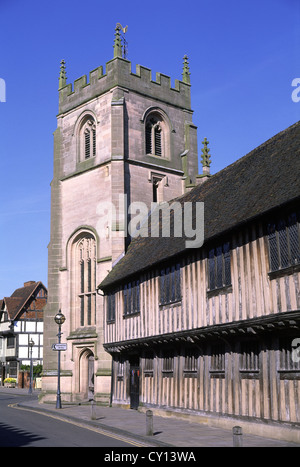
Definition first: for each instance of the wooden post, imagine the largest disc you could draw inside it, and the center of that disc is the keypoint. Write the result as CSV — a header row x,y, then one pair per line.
x,y
149,423
237,436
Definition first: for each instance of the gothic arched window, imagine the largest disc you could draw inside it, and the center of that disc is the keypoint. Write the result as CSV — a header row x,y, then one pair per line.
x,y
86,280
155,135
88,138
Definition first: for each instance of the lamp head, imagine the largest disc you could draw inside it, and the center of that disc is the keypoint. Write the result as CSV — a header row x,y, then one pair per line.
x,y
59,318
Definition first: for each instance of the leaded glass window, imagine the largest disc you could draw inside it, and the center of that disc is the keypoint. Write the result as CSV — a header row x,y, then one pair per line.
x,y
86,283
284,242
219,269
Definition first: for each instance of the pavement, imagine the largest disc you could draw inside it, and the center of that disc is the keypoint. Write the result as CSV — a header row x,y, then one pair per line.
x,y
131,425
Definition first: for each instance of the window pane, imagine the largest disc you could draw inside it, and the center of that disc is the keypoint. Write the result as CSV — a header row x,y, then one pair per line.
x,y
82,276
137,296
89,276
81,311
274,257
162,286
148,139
129,298
167,285
87,144
172,280
94,142
219,263
293,230
211,266
283,245
89,310
125,299
157,136
227,271
177,282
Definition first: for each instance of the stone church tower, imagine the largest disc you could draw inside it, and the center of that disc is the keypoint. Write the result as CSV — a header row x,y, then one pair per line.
x,y
118,133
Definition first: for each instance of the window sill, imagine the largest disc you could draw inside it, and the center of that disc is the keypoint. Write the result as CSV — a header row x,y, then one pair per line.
x,y
284,271
157,156
85,164
110,321
220,290
190,373
131,315
217,374
172,302
289,374
249,374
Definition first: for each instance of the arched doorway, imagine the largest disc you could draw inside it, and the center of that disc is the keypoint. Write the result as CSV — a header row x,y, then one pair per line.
x,y
86,366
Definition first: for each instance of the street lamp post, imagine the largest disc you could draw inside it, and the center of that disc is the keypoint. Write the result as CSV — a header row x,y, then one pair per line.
x,y
31,344
59,319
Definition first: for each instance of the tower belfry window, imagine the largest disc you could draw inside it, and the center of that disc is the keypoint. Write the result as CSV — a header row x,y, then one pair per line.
x,y
155,135
88,139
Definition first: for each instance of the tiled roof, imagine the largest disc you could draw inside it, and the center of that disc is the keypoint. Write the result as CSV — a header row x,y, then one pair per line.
x,y
264,179
16,302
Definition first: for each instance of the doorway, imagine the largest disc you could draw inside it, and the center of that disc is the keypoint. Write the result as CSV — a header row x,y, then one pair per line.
x,y
91,376
87,374
134,383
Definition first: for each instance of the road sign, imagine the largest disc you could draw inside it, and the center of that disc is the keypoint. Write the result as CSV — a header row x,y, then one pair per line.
x,y
59,346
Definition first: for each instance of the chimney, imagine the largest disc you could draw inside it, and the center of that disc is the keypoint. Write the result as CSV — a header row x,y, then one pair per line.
x,y
26,284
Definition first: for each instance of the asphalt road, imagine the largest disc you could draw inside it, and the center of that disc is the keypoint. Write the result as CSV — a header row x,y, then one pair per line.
x,y
22,428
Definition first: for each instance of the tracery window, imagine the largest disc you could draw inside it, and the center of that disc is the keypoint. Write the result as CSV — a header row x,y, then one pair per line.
x,y
86,280
88,139
155,135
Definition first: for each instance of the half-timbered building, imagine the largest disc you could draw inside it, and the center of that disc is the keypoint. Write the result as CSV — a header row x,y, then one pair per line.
x,y
22,324
214,331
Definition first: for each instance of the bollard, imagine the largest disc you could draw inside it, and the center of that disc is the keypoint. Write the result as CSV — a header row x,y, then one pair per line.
x,y
149,423
93,410
237,436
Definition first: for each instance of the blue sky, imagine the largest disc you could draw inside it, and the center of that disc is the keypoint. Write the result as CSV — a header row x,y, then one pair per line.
x,y
243,58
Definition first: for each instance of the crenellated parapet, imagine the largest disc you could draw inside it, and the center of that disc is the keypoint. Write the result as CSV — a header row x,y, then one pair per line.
x,y
118,72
